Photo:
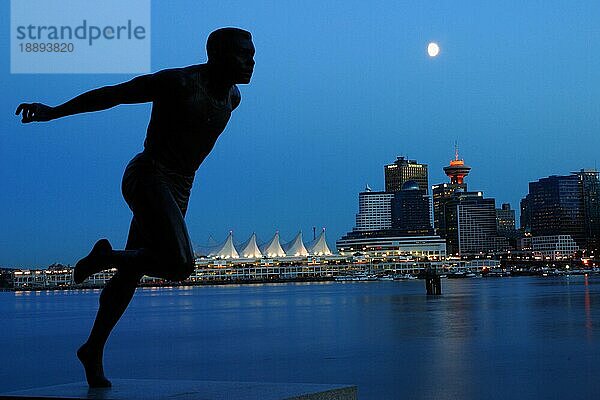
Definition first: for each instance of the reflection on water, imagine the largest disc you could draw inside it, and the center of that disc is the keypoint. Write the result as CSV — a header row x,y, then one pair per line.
x,y
483,338
588,309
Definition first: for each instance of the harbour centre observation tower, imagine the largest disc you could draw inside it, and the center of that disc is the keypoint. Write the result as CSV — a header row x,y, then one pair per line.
x,y
457,170
465,219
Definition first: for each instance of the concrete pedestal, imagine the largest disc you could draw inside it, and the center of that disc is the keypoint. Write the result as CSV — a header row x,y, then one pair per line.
x,y
134,389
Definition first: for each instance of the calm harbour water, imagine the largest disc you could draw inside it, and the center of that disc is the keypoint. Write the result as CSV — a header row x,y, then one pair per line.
x,y
519,338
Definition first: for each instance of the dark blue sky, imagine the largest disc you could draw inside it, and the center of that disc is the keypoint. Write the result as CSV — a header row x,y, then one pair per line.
x,y
339,90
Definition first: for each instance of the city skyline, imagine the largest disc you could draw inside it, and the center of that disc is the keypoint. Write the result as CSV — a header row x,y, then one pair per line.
x,y
338,92
291,234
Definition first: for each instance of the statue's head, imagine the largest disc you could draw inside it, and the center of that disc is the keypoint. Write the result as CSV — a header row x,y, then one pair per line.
x,y
231,51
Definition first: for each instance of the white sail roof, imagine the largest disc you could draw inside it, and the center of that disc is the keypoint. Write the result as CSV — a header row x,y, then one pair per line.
x,y
319,246
250,249
296,247
273,247
227,250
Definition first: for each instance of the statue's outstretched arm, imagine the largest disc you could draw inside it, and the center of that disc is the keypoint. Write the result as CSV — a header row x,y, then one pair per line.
x,y
141,89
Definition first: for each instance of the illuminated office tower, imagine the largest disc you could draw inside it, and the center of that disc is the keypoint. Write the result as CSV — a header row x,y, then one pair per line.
x,y
403,170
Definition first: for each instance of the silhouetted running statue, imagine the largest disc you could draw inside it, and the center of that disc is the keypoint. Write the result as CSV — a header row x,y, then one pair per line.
x,y
190,108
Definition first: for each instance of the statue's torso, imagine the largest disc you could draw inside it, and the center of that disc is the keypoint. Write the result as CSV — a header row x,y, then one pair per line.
x,y
185,121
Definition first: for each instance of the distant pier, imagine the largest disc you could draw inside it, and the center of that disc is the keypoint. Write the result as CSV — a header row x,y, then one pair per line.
x,y
433,282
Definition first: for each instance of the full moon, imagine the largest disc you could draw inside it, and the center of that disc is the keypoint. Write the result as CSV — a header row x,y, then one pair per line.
x,y
433,49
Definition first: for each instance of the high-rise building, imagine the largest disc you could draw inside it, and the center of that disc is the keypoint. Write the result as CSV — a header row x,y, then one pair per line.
x,y
505,221
525,219
590,190
565,205
506,225
403,170
555,206
374,210
470,221
411,213
441,193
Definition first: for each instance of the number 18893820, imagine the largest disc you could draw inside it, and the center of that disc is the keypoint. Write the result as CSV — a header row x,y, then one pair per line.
x,y
46,47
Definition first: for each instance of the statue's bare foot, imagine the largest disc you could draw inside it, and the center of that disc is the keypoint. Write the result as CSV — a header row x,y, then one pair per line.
x,y
93,262
92,363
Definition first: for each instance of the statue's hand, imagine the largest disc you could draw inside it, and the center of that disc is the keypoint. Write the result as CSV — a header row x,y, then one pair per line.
x,y
35,112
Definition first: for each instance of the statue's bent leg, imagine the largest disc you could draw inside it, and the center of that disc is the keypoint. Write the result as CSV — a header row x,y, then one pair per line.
x,y
158,202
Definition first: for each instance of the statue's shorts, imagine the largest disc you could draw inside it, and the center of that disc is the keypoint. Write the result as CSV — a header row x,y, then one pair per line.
x,y
158,198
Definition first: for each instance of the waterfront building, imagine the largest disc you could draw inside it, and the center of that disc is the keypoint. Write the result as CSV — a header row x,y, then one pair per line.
x,y
273,248
403,170
524,243
29,278
221,263
101,278
556,207
554,247
565,205
374,210
250,248
296,248
391,242
52,277
288,268
207,270
319,246
226,250
411,210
